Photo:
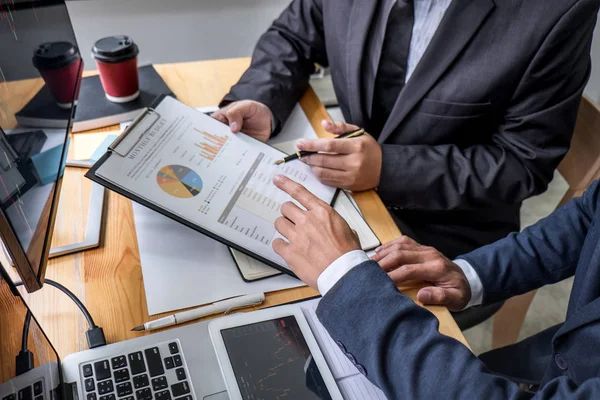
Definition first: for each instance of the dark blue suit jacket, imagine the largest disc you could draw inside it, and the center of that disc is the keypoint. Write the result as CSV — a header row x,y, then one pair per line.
x,y
397,344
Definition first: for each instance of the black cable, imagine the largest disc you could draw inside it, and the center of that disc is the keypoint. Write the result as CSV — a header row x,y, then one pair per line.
x,y
72,296
95,334
24,360
75,299
25,331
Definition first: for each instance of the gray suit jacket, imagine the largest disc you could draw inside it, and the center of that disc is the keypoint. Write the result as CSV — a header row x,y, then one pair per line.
x,y
481,124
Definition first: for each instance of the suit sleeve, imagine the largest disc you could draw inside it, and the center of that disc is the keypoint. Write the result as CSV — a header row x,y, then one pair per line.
x,y
283,60
542,254
528,144
397,345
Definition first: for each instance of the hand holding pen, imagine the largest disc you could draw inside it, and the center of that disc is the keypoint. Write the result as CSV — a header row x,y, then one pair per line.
x,y
353,163
303,153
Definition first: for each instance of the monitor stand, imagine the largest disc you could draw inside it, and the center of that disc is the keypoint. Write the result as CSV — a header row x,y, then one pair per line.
x,y
94,227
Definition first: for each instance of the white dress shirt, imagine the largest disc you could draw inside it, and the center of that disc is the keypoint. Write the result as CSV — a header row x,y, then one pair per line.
x,y
428,16
345,263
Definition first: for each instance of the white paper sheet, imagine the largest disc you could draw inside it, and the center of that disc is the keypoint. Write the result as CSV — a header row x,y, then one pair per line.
x,y
183,268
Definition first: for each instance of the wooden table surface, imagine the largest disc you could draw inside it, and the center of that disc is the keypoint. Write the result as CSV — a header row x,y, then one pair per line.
x,y
109,279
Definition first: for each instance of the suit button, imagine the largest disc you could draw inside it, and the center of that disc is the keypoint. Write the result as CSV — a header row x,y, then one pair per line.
x,y
561,362
341,345
351,358
361,369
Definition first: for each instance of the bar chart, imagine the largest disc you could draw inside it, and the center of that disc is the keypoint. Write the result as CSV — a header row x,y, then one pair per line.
x,y
211,144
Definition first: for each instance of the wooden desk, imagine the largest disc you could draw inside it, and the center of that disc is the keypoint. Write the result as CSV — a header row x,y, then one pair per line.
x,y
109,279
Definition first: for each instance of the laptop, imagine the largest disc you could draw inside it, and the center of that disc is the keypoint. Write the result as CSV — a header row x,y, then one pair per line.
x,y
178,364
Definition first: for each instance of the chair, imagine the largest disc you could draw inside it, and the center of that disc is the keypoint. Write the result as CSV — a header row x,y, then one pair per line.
x,y
580,167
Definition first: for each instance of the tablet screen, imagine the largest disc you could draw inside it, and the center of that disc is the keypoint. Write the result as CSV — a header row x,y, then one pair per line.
x,y
271,360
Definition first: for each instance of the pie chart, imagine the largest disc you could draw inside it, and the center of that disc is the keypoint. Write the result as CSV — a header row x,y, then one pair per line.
x,y
179,181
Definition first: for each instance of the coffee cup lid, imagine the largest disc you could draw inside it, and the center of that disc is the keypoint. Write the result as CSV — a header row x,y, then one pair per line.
x,y
55,55
115,49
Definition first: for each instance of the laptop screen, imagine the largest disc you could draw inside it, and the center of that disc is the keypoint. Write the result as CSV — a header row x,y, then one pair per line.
x,y
17,380
40,68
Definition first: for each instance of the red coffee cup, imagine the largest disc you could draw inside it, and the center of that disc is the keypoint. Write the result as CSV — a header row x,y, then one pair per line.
x,y
116,58
60,65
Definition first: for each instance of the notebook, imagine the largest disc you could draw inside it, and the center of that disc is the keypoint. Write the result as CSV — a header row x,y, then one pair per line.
x,y
42,112
252,270
94,110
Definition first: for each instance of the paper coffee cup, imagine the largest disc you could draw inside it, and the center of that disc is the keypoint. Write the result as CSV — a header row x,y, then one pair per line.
x,y
60,65
116,58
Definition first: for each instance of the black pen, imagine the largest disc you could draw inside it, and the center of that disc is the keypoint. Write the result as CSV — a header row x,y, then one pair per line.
x,y
300,154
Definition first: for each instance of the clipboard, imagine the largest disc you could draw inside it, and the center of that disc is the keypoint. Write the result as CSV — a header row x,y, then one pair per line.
x,y
126,142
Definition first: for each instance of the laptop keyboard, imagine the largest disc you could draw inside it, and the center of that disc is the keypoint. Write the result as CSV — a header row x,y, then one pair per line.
x,y
154,373
32,392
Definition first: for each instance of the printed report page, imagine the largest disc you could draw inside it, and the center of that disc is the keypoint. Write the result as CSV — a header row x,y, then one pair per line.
x,y
191,165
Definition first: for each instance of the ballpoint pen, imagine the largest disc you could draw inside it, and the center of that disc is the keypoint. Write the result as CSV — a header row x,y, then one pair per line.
x,y
300,154
224,306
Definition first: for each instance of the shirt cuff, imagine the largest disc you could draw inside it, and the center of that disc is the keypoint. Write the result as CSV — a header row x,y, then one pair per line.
x,y
474,282
339,268
273,121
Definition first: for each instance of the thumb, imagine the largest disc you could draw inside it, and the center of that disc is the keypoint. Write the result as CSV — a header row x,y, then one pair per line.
x,y
337,127
237,112
235,119
435,296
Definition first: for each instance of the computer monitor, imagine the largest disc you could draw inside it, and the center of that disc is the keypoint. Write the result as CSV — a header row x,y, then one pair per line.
x,y
40,72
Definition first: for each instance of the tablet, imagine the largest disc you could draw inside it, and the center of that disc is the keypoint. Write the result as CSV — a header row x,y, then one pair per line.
x,y
271,354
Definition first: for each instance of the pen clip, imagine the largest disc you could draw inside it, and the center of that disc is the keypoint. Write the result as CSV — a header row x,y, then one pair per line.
x,y
243,306
351,134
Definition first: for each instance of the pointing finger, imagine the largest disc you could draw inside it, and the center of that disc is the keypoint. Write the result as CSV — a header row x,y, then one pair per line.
x,y
297,191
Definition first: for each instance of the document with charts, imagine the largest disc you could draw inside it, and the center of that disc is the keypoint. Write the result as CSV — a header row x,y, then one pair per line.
x,y
190,167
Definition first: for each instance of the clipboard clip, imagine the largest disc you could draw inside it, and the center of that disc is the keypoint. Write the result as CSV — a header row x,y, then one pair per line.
x,y
132,135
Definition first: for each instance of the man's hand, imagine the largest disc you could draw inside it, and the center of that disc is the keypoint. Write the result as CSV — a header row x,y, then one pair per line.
x,y
353,164
251,117
406,260
317,237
